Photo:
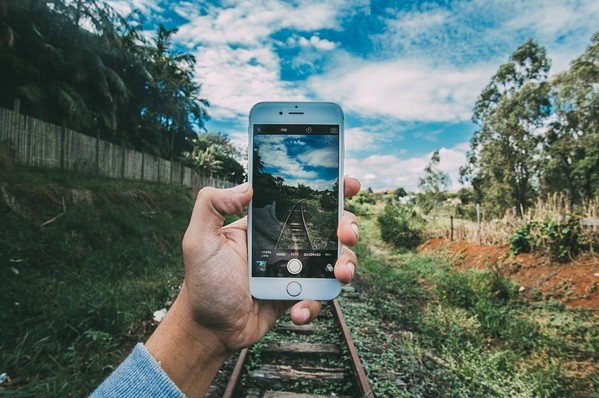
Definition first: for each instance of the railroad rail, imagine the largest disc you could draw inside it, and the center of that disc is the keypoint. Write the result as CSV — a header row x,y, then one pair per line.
x,y
295,224
299,358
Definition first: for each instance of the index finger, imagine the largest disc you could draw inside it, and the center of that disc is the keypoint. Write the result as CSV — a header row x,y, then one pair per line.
x,y
351,186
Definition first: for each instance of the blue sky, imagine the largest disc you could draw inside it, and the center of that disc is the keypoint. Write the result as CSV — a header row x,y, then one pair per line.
x,y
407,73
309,160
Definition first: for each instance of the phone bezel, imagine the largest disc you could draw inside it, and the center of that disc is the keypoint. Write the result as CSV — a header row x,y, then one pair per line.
x,y
269,288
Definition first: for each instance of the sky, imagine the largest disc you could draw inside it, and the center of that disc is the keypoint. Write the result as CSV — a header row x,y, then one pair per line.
x,y
406,73
308,160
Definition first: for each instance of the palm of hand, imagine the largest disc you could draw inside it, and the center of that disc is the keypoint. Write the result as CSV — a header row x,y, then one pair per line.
x,y
217,285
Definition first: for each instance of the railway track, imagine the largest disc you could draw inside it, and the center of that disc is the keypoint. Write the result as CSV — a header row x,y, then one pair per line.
x,y
294,234
293,360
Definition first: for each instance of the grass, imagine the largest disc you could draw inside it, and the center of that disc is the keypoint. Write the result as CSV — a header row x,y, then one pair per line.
x,y
429,330
79,292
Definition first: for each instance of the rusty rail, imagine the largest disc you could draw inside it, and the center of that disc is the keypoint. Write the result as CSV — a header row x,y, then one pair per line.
x,y
361,378
356,365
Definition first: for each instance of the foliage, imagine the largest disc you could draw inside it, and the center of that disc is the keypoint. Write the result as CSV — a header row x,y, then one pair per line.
x,y
364,198
425,329
79,292
562,241
571,161
433,184
536,136
215,155
504,151
400,192
82,64
400,225
467,207
328,200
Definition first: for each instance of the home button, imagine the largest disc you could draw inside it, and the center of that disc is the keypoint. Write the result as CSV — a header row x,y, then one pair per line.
x,y
294,266
294,289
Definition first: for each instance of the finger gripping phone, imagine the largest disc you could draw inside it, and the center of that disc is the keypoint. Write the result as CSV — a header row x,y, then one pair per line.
x,y
296,171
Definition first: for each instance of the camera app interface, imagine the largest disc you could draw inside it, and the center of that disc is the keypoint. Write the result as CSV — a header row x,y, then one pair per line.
x,y
295,203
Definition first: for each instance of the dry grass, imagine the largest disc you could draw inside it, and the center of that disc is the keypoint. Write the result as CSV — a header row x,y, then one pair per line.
x,y
498,231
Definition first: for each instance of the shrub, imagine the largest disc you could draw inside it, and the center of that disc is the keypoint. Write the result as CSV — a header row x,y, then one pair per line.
x,y
560,240
400,226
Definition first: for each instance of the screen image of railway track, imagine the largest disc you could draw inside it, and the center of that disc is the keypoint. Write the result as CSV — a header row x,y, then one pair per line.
x,y
294,234
291,212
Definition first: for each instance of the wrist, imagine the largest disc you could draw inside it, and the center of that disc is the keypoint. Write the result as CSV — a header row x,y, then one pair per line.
x,y
190,354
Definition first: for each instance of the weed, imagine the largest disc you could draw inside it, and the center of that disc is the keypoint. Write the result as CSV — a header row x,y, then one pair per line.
x,y
400,226
86,284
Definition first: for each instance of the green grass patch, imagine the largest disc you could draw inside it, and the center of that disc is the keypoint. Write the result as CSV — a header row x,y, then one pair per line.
x,y
79,292
430,330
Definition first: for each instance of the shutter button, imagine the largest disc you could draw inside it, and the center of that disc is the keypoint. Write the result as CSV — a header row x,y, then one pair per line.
x,y
294,289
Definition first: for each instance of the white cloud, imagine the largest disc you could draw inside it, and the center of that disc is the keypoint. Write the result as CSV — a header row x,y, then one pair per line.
x,y
323,157
126,7
405,89
235,79
390,172
251,23
236,61
492,29
317,43
274,154
366,138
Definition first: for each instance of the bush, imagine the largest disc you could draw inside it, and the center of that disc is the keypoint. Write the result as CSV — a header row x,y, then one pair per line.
x,y
400,226
560,240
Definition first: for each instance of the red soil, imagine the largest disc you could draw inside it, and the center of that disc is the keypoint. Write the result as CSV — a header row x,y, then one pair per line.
x,y
575,283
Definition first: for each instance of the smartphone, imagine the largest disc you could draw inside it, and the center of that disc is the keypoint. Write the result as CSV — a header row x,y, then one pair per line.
x,y
296,171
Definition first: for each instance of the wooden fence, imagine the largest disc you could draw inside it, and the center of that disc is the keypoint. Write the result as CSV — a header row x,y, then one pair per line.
x,y
32,142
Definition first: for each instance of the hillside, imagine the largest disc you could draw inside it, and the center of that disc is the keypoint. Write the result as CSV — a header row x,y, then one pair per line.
x,y
85,262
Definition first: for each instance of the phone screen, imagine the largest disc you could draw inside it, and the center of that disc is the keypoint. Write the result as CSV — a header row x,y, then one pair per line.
x,y
295,207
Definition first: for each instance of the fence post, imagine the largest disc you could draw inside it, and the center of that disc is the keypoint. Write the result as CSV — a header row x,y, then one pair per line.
x,y
158,164
63,136
15,125
480,240
98,153
123,162
143,161
451,228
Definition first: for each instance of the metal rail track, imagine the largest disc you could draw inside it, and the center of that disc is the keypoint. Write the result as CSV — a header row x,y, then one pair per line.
x,y
298,230
277,371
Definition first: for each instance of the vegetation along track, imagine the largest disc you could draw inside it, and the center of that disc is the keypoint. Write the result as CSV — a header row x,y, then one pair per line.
x,y
316,360
298,231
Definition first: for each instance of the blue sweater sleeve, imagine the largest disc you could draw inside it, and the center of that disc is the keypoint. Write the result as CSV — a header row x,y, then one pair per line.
x,y
138,376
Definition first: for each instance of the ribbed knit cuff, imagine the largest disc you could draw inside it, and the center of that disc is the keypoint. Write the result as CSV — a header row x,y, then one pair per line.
x,y
138,376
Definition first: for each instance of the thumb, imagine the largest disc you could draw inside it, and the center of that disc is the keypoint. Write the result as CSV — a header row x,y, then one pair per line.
x,y
211,207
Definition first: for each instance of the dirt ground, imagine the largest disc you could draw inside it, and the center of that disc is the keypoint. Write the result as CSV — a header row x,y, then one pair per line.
x,y
575,283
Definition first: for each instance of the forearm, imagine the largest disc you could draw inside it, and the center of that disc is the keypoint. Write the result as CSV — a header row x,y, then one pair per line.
x,y
190,355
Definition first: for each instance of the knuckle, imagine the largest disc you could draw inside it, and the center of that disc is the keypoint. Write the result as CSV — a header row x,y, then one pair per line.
x,y
205,192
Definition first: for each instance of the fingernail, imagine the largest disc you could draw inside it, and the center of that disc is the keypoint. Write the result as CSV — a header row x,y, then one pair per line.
x,y
352,268
243,188
354,226
305,314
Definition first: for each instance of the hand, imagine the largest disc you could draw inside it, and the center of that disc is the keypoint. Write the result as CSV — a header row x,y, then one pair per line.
x,y
215,314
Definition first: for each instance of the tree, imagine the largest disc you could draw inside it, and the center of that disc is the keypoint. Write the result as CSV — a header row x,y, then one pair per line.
x,y
82,64
206,162
226,153
434,183
504,156
400,192
571,161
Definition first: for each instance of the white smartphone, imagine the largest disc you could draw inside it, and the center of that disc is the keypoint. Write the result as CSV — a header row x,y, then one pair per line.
x,y
296,171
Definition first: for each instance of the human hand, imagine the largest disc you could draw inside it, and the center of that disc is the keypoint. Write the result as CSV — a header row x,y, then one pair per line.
x,y
215,309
